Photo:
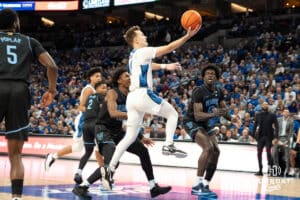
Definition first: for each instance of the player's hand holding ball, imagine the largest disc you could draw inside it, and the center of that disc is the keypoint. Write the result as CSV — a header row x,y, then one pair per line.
x,y
191,21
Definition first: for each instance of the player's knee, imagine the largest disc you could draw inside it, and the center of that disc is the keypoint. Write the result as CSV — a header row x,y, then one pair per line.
x,y
143,151
216,152
77,147
209,149
89,149
174,114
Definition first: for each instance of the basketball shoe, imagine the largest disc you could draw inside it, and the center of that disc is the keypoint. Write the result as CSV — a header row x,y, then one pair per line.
x,y
158,190
202,190
49,161
172,150
82,192
107,177
78,178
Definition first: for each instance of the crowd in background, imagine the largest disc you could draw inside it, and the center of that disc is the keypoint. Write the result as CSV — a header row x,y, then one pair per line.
x,y
266,68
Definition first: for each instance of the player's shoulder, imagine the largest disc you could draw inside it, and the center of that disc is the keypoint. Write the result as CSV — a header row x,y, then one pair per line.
x,y
145,49
88,86
198,88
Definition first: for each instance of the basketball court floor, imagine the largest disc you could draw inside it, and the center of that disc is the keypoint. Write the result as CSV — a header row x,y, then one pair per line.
x,y
131,183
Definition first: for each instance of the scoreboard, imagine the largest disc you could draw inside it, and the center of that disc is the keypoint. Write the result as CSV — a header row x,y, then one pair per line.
x,y
54,5
66,5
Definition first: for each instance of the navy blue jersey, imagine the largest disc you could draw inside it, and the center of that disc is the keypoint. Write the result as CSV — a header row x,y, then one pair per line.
x,y
210,100
104,118
93,106
17,53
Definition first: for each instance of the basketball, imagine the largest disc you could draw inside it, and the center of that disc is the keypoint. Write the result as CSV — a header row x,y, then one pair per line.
x,y
191,18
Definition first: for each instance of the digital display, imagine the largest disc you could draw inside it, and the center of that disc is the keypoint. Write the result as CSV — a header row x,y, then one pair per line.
x,y
89,4
18,6
56,5
53,5
128,2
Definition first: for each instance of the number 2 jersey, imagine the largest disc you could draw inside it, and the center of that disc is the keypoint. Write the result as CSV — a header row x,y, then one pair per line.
x,y
17,53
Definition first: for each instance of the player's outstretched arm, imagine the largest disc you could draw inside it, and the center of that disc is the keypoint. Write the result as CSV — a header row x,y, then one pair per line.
x,y
162,50
169,66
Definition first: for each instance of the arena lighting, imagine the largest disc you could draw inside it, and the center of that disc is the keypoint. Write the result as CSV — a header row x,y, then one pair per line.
x,y
239,8
291,3
150,15
47,21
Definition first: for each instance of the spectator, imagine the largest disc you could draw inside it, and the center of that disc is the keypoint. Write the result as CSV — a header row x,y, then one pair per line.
x,y
245,137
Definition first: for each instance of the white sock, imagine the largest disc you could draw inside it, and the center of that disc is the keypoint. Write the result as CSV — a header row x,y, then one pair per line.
x,y
205,182
199,180
152,183
85,183
79,171
55,156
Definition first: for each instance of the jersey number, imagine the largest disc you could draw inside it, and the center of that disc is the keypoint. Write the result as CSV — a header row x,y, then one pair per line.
x,y
90,103
12,57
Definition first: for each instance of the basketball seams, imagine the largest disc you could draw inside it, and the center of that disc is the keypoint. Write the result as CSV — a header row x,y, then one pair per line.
x,y
188,19
191,18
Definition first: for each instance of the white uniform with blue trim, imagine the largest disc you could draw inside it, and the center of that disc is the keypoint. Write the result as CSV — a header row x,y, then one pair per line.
x,y
78,122
141,99
141,96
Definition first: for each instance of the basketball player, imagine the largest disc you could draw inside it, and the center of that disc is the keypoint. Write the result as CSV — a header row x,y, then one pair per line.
x,y
206,107
18,52
94,76
141,99
109,132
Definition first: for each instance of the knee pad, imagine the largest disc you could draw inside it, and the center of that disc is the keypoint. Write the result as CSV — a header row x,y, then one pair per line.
x,y
77,146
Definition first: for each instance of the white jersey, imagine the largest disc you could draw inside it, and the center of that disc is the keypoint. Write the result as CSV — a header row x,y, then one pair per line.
x,y
78,122
140,68
82,91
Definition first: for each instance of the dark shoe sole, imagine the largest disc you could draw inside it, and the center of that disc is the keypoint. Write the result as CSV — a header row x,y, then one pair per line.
x,y
205,195
82,197
165,192
176,154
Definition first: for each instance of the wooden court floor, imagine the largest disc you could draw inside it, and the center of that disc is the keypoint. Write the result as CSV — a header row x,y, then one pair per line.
x,y
131,183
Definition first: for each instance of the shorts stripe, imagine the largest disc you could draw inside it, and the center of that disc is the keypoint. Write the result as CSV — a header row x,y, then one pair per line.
x,y
154,97
15,131
89,143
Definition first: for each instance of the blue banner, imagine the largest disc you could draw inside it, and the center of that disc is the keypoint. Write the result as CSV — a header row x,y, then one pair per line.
x,y
17,6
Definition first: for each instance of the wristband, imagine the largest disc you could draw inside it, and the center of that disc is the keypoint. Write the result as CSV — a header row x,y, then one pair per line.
x,y
163,66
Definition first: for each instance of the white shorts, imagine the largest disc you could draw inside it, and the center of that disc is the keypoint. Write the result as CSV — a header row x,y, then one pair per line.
x,y
141,101
78,123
